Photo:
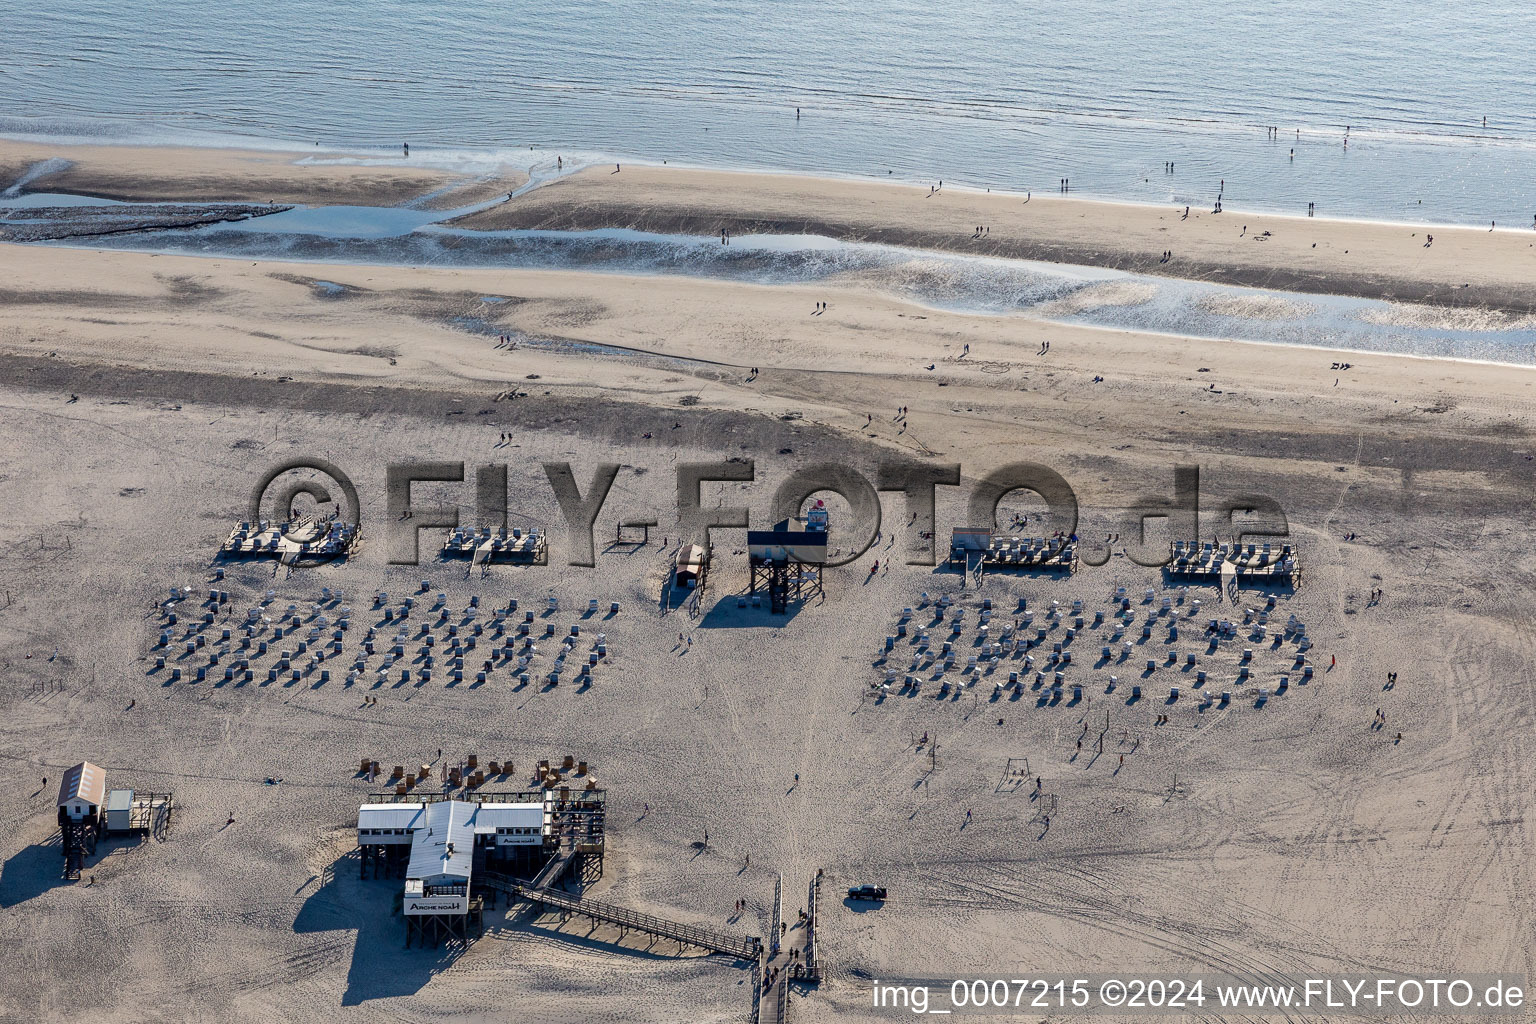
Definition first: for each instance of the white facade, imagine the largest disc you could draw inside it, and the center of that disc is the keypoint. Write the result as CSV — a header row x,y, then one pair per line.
x,y
119,810
418,902
511,824
82,791
442,836
504,824
388,824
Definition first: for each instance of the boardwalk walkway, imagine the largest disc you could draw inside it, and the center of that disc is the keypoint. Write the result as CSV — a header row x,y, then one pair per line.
x,y
744,947
793,961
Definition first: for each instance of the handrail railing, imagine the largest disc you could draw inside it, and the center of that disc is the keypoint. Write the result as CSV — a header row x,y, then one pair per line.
x,y
745,947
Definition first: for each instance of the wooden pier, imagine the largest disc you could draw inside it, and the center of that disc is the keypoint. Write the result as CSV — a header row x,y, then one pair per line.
x,y
743,947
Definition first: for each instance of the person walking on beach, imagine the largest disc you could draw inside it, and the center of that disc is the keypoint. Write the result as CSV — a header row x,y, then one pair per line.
x,y
406,146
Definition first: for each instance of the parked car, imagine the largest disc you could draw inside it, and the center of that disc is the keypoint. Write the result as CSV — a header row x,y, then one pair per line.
x,y
867,892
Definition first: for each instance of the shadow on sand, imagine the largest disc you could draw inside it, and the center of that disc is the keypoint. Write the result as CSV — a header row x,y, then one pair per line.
x,y
381,965
39,867
726,614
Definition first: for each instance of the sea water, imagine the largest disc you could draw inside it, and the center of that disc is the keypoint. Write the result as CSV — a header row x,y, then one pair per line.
x,y
1005,96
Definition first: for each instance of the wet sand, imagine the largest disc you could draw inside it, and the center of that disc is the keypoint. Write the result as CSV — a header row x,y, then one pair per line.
x,y
1463,267
191,174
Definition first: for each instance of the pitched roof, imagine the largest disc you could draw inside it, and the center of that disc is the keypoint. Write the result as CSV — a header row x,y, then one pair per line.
x,y
489,817
407,816
447,821
85,781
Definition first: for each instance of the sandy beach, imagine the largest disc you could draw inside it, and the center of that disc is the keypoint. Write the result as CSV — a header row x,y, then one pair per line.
x,y
144,394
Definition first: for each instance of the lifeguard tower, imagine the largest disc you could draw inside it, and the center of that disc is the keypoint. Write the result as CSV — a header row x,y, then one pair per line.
x,y
788,563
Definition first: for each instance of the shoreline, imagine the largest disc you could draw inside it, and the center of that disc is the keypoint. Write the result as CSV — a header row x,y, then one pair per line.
x,y
470,159
466,161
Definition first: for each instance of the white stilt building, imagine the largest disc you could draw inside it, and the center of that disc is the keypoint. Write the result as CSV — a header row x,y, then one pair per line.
x,y
443,837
